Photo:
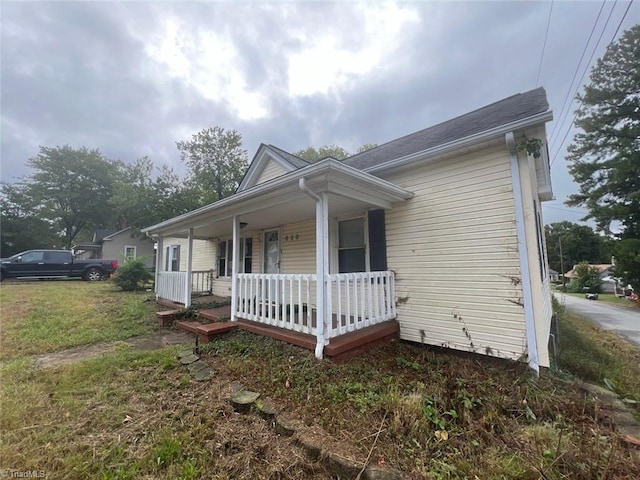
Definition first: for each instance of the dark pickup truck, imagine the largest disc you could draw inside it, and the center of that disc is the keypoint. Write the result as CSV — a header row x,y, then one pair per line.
x,y
54,264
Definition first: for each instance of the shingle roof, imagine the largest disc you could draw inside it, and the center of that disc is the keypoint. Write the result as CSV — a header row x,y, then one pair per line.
x,y
296,161
500,113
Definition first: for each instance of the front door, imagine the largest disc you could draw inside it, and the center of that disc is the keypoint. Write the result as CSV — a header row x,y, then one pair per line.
x,y
272,251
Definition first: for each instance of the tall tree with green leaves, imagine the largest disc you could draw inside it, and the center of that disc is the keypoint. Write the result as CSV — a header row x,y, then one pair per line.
x,y
579,243
22,229
312,154
216,161
604,157
71,188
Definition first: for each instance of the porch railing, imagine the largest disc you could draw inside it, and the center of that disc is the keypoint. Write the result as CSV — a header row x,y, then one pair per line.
x,y
358,300
171,286
285,301
202,281
354,300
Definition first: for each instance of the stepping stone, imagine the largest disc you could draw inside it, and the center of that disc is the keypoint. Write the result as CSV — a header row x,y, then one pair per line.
x,y
243,399
203,375
286,426
185,353
189,359
196,366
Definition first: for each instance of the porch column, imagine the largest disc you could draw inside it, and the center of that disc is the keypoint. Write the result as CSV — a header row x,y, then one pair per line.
x,y
187,285
234,267
159,262
322,269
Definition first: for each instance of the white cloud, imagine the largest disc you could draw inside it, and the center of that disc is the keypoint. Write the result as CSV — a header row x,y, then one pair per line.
x,y
330,60
207,62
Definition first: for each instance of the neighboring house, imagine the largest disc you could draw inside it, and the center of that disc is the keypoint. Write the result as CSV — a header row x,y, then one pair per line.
x,y
554,276
608,284
118,245
382,231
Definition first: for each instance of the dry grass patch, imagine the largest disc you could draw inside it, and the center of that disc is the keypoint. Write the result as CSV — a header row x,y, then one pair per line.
x,y
41,317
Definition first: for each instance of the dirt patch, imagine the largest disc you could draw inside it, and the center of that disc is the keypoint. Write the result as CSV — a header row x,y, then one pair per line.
x,y
151,341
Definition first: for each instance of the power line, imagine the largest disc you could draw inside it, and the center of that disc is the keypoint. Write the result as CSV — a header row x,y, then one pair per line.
x,y
620,24
544,45
581,77
568,95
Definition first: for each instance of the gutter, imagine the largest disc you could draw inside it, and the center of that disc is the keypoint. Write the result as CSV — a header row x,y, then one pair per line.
x,y
322,264
527,295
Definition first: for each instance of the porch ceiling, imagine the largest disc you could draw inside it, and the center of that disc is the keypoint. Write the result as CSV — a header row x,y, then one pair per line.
x,y
280,201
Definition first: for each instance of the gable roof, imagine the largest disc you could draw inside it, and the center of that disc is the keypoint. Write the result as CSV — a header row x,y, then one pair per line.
x,y
503,112
295,161
265,154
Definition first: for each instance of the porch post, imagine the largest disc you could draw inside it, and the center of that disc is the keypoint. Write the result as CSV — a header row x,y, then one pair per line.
x,y
159,262
187,285
322,269
234,267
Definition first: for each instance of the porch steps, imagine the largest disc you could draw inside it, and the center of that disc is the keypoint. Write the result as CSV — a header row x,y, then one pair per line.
x,y
303,340
207,332
165,318
215,314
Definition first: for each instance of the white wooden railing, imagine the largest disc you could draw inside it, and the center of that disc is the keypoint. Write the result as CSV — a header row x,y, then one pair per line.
x,y
171,286
358,300
355,300
285,301
201,281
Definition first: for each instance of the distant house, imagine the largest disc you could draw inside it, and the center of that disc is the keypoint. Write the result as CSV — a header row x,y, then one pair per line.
x,y
553,275
118,245
606,276
335,249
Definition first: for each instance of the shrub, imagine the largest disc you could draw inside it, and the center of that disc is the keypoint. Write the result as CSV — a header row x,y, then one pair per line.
x,y
587,277
132,275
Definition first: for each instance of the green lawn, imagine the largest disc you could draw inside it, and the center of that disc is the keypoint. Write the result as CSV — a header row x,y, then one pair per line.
x,y
429,412
610,298
42,317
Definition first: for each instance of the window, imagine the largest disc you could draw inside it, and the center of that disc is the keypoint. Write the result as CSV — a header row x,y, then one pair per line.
x,y
32,257
542,260
352,249
225,256
57,257
129,252
172,262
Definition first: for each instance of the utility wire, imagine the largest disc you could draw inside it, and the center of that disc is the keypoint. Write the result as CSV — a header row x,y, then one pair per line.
x,y
566,134
544,45
620,24
563,114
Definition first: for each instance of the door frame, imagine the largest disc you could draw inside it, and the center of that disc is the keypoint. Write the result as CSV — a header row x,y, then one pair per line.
x,y
264,249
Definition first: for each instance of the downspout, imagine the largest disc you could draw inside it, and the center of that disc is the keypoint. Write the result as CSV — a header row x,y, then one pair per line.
x,y
321,251
529,318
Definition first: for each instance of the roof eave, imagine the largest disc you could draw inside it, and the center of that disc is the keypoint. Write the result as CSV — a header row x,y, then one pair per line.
x,y
322,167
497,132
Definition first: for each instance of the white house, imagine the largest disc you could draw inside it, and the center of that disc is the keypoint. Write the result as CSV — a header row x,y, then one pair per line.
x,y
439,231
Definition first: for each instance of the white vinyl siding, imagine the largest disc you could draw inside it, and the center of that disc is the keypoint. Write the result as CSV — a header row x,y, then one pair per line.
x,y
270,171
454,250
298,247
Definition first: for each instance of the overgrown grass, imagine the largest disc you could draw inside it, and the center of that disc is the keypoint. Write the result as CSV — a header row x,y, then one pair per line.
x,y
40,317
443,415
598,356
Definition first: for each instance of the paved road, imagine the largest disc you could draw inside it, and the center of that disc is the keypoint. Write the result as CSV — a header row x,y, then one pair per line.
x,y
624,321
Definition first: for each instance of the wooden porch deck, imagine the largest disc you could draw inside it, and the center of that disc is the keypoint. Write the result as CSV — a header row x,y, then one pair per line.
x,y
340,348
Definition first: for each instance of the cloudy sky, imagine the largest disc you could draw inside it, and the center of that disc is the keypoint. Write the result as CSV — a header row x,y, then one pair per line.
x,y
133,78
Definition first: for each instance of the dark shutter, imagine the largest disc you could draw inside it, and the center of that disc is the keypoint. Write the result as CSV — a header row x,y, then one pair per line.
x,y
377,241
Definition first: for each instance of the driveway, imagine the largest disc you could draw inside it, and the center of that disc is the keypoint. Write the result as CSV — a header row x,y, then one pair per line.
x,y
624,321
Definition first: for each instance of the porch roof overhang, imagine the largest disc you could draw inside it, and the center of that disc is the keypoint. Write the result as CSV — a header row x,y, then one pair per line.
x,y
281,200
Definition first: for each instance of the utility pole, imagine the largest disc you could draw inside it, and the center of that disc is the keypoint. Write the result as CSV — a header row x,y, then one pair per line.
x,y
561,261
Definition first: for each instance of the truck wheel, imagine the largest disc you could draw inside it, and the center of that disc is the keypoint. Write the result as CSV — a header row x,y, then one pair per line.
x,y
93,275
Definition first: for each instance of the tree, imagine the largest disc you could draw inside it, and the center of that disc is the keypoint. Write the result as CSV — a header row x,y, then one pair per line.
x,y
587,279
216,163
145,195
312,154
21,228
605,156
579,244
71,188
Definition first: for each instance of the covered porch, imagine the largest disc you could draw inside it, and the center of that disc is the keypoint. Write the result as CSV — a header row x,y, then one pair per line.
x,y
313,296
